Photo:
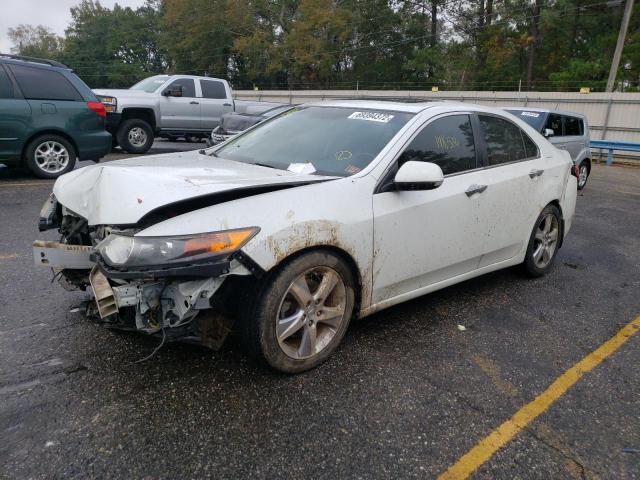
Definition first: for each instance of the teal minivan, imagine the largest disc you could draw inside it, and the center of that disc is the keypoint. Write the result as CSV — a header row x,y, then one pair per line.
x,y
49,118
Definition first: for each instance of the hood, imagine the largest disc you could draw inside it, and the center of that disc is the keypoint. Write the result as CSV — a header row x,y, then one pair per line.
x,y
237,122
123,191
122,93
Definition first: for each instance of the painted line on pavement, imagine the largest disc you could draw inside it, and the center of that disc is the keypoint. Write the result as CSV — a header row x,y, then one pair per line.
x,y
484,450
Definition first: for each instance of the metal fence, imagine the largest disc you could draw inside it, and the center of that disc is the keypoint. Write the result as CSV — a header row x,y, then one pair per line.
x,y
611,116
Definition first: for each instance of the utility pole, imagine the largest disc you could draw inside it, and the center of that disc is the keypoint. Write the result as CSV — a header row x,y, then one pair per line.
x,y
624,26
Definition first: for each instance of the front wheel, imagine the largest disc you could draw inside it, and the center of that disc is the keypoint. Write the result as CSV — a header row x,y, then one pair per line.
x,y
135,136
300,313
583,175
543,242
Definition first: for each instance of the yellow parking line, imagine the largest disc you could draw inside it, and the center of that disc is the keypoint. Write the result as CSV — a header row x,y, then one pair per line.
x,y
25,184
483,450
11,256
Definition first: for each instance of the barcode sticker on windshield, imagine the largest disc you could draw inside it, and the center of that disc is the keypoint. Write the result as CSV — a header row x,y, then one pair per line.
x,y
530,114
371,116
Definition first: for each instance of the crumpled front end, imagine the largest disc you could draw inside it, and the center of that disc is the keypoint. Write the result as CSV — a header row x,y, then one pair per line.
x,y
188,287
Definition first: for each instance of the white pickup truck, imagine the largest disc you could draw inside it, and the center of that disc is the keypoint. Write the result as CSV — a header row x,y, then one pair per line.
x,y
169,106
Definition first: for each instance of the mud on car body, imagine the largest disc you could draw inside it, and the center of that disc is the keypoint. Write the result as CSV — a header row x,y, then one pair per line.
x,y
300,223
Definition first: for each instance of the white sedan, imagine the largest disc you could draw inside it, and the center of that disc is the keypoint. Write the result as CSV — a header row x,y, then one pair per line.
x,y
329,212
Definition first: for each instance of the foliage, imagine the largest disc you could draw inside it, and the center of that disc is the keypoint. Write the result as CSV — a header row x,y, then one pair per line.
x,y
392,44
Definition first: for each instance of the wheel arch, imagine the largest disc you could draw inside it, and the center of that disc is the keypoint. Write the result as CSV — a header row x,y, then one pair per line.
x,y
47,131
146,114
556,203
341,253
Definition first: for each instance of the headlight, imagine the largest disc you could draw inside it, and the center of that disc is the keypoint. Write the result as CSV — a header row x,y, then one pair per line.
x,y
126,251
110,103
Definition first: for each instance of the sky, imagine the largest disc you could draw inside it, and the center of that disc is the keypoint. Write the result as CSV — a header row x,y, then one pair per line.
x,y
50,13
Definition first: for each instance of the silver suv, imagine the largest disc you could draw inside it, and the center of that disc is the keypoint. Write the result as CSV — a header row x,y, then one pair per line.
x,y
566,130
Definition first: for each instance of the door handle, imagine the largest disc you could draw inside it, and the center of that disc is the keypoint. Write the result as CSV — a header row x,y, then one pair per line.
x,y
475,189
226,105
535,173
193,102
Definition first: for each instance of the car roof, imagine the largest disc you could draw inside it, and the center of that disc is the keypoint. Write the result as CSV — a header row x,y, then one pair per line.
x,y
545,110
32,61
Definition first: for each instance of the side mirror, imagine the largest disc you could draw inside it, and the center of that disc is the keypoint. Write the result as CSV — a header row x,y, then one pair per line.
x,y
548,132
175,91
414,175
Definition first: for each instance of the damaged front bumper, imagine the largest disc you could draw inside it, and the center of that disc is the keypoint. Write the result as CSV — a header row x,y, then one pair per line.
x,y
187,300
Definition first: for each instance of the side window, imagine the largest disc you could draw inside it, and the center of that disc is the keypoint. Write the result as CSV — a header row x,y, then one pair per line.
x,y
447,142
6,87
530,147
43,84
213,89
188,86
572,126
554,122
504,140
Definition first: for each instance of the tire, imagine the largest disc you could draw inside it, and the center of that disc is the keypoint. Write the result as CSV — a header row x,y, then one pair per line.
x,y
583,170
278,297
135,136
543,242
193,139
50,155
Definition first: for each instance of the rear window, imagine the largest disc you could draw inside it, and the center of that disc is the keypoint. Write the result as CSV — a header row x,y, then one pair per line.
x,y
6,88
573,126
43,84
213,89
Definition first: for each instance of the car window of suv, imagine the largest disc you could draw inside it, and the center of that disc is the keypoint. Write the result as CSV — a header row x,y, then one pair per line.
x,y
572,126
43,84
447,142
187,84
504,140
213,89
6,88
554,122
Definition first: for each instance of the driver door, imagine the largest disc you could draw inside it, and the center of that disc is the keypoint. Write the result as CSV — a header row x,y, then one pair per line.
x,y
181,113
425,237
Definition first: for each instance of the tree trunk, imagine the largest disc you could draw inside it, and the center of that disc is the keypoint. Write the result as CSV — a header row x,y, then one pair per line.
x,y
434,23
534,41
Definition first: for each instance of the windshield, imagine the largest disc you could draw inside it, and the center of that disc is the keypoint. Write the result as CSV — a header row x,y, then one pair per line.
x,y
535,119
150,84
334,140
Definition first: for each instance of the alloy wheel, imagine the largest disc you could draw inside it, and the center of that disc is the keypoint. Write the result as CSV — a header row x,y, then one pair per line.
x,y
51,157
311,312
582,178
545,240
137,137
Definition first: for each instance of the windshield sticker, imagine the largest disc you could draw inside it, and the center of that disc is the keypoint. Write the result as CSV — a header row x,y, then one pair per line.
x,y
371,116
343,155
530,114
352,169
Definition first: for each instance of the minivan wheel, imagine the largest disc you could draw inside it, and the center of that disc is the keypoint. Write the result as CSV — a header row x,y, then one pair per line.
x,y
300,313
583,175
543,242
49,156
135,136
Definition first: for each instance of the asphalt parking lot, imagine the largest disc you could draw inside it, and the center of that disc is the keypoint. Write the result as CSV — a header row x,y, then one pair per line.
x,y
407,394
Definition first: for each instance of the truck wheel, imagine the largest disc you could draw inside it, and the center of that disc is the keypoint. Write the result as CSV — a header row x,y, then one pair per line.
x,y
135,136
49,156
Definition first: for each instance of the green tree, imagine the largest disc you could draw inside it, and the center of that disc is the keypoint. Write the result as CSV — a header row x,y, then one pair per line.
x,y
35,41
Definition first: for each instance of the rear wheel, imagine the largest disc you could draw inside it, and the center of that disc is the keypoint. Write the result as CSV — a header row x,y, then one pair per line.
x,y
583,174
135,136
301,313
543,243
49,156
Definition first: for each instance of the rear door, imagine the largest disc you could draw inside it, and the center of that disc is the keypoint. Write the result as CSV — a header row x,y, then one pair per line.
x,y
215,101
181,113
574,138
15,118
508,206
